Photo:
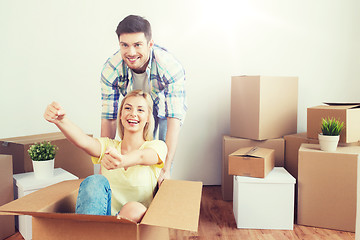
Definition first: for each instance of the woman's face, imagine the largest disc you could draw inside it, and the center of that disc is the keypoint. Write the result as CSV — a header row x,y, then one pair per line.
x,y
134,114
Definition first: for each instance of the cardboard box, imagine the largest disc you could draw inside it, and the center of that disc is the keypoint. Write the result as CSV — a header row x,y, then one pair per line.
x,y
357,228
327,187
292,145
263,107
265,203
7,223
176,205
69,157
252,162
231,144
26,183
347,113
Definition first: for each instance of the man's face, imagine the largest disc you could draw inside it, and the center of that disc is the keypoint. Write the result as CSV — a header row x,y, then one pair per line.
x,y
135,50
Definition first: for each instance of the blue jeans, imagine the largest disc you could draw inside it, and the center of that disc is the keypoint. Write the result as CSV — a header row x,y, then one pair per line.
x,y
94,196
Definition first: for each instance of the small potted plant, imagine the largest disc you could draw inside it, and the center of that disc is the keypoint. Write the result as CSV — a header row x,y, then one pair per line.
x,y
43,157
330,136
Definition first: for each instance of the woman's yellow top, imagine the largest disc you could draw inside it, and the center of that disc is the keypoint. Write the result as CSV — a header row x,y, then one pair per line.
x,y
137,183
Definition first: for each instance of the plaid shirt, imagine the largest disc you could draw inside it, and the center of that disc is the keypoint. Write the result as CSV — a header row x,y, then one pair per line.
x,y
167,82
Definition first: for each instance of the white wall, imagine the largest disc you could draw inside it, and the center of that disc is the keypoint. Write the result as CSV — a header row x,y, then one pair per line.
x,y
54,50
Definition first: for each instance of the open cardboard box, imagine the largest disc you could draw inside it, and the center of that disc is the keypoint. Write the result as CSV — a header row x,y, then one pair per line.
x,y
252,162
176,205
349,113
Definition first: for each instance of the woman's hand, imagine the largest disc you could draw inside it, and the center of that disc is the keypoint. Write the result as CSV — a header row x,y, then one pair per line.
x,y
54,113
113,159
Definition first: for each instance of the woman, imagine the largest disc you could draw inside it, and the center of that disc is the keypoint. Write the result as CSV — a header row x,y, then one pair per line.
x,y
129,168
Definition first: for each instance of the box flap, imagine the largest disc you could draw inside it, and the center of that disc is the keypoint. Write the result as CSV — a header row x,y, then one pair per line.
x,y
176,205
56,201
342,103
42,199
339,105
252,152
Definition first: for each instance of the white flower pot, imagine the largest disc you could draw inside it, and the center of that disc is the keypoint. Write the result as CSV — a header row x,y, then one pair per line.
x,y
44,169
328,143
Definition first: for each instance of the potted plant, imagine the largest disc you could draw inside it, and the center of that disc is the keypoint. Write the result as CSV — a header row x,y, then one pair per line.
x,y
43,157
330,136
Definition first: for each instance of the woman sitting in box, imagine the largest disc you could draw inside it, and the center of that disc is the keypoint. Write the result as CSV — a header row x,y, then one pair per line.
x,y
130,168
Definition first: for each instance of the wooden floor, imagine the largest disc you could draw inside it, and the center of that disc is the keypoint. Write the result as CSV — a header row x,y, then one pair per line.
x,y
217,222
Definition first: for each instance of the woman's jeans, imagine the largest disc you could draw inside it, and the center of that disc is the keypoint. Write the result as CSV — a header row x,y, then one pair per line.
x,y
94,196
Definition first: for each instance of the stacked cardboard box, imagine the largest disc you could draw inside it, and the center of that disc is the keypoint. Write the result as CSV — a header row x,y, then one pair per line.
x,y
68,157
349,113
327,182
328,187
265,203
292,146
7,223
263,110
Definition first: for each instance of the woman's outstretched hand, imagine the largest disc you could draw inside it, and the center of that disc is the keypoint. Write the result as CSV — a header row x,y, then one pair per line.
x,y
54,113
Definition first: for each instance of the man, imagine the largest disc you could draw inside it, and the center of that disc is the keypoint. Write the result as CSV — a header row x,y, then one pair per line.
x,y
140,64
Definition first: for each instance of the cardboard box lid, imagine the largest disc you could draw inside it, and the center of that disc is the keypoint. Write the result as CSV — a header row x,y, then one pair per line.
x,y
342,103
176,205
256,152
338,105
277,175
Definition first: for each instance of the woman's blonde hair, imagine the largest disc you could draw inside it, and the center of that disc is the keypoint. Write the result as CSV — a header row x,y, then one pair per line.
x,y
149,126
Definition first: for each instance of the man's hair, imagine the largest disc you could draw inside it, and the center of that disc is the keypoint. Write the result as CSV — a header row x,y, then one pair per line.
x,y
149,126
134,24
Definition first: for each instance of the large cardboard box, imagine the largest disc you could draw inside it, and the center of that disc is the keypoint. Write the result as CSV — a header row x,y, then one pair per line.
x,y
347,113
7,223
252,162
231,144
265,203
263,107
69,157
176,205
292,145
327,187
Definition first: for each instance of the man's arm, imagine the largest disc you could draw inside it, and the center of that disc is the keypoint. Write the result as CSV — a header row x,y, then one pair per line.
x,y
108,128
172,135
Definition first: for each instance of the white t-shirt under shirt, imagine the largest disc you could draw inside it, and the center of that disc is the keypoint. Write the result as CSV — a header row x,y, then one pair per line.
x,y
141,81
